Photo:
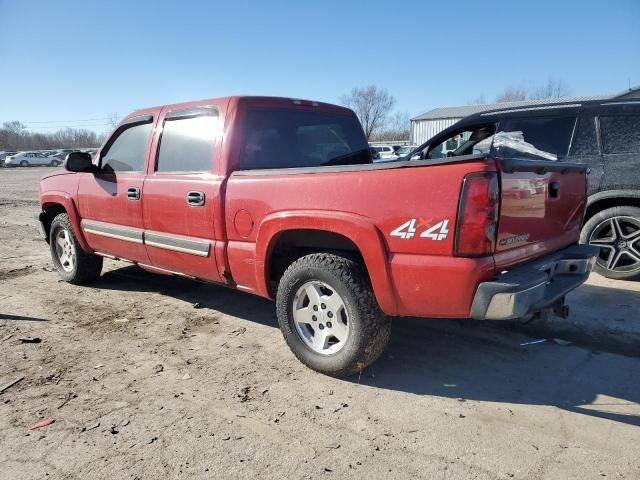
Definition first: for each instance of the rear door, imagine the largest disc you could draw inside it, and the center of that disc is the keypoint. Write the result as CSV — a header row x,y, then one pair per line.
x,y
543,196
181,191
110,201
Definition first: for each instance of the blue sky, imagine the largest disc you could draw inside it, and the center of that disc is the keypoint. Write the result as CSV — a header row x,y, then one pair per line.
x,y
77,60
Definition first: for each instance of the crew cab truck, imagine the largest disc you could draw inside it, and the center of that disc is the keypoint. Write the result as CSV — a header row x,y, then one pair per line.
x,y
279,197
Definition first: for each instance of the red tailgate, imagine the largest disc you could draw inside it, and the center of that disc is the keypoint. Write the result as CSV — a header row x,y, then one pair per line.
x,y
541,209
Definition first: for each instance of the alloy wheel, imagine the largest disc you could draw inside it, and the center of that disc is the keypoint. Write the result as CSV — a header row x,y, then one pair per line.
x,y
65,250
619,241
320,317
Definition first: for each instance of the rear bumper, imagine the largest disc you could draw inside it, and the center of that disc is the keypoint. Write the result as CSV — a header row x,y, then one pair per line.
x,y
534,286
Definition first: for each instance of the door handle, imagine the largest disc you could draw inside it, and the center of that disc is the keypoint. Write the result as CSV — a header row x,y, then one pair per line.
x,y
195,199
133,193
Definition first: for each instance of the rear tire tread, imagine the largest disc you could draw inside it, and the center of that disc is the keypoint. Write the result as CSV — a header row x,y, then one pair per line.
x,y
376,326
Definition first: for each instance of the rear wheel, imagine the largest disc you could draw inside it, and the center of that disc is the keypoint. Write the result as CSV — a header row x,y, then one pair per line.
x,y
72,263
329,316
616,231
24,163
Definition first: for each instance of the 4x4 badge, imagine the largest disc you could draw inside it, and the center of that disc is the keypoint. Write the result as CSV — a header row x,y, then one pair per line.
x,y
436,232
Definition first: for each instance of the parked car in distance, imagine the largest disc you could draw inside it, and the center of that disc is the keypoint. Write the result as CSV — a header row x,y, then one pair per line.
x,y
4,155
385,151
602,135
30,159
405,150
280,198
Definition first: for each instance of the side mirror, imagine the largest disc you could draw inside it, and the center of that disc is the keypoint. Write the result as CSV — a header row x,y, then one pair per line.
x,y
79,162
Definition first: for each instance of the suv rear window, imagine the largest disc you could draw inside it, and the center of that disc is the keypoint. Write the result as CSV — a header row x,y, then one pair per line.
x,y
288,138
620,134
537,138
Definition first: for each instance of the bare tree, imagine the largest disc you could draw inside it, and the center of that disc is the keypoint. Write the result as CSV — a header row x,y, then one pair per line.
x,y
398,127
15,136
512,94
553,89
479,100
372,105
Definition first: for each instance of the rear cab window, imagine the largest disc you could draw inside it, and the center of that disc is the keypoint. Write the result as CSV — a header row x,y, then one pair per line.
x,y
294,138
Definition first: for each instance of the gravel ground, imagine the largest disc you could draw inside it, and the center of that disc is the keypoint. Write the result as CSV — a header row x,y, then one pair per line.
x,y
141,384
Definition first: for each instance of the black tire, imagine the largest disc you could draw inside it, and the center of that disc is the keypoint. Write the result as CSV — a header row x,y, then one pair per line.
x,y
369,327
54,163
598,229
24,163
86,267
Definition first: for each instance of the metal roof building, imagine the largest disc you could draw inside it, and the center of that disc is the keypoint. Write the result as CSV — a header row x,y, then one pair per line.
x,y
425,126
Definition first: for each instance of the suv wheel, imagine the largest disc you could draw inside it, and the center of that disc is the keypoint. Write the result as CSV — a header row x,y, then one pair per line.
x,y
73,264
329,316
616,231
24,163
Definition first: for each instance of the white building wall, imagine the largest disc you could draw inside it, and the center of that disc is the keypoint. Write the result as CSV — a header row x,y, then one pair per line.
x,y
423,130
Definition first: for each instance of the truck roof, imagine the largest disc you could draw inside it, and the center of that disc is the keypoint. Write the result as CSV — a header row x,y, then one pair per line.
x,y
246,99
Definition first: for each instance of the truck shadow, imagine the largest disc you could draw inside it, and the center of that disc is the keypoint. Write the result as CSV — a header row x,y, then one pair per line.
x,y
456,359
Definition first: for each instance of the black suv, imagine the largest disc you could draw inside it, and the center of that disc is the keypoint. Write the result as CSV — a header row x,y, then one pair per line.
x,y
603,134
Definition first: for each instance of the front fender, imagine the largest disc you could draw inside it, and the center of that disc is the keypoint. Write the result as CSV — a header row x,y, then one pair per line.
x,y
354,227
62,198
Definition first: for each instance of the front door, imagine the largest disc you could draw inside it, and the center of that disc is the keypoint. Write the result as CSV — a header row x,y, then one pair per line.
x,y
110,201
181,192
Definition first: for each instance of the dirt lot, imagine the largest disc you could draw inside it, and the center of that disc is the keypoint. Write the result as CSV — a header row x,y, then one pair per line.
x,y
143,385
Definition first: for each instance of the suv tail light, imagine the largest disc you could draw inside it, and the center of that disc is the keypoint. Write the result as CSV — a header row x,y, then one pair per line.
x,y
477,223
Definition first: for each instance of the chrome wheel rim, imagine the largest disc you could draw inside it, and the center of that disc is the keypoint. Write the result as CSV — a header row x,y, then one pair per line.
x,y
65,250
320,317
619,242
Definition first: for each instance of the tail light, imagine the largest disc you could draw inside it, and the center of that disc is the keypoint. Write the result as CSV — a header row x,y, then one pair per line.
x,y
477,223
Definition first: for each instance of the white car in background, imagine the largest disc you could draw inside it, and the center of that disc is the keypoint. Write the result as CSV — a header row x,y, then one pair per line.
x,y
385,151
31,159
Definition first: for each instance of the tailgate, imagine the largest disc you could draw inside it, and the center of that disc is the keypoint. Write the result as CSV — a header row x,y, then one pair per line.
x,y
541,208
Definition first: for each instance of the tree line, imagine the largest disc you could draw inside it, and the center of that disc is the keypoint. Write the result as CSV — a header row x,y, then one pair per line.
x,y
15,136
374,107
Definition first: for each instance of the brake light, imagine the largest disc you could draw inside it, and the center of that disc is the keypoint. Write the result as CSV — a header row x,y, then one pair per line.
x,y
477,223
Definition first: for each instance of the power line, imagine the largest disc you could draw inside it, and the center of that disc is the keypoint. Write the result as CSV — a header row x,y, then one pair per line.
x,y
70,121
60,127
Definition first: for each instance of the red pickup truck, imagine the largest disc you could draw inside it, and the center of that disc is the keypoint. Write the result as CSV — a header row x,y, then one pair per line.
x,y
279,197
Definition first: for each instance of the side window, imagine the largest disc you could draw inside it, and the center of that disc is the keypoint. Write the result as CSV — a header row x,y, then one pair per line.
x,y
536,138
467,142
585,141
187,144
620,134
128,151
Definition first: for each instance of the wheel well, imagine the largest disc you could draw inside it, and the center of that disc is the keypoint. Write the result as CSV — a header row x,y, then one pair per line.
x,y
294,244
50,211
605,203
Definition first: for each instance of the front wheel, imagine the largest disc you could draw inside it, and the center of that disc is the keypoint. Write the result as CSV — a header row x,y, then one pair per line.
x,y
72,263
329,316
54,163
616,231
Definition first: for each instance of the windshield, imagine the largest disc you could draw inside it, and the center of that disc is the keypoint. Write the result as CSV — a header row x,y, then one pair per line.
x,y
288,138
